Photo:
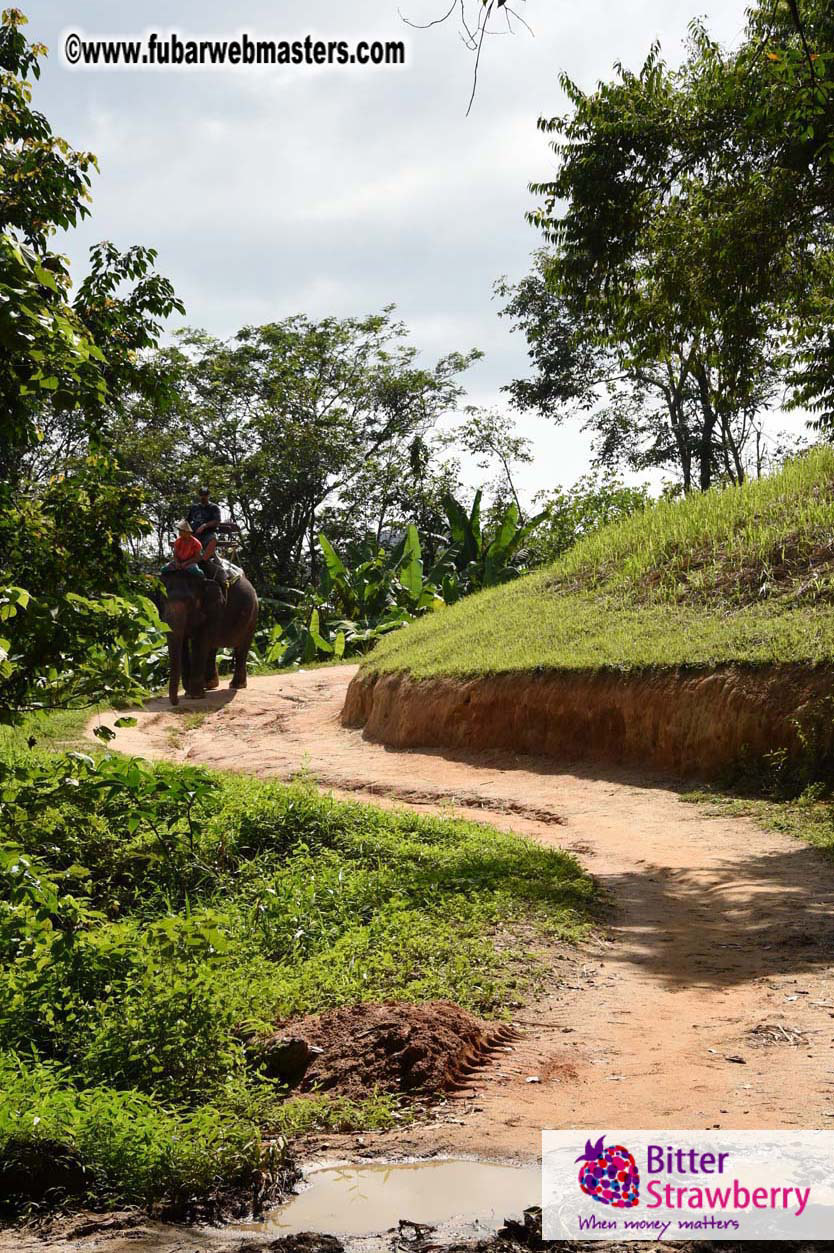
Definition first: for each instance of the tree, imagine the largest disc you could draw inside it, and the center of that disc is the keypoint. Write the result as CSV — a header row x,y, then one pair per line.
x,y
121,303
489,437
43,185
670,259
638,385
295,416
403,484
784,71
74,626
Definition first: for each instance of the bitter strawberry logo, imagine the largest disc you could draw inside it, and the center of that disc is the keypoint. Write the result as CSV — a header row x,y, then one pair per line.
x,y
609,1175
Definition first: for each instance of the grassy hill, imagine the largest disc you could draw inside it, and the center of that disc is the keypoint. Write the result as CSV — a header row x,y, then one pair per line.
x,y
744,574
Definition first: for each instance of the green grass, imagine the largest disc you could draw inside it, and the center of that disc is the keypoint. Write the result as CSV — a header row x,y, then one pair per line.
x,y
808,817
155,921
744,574
58,730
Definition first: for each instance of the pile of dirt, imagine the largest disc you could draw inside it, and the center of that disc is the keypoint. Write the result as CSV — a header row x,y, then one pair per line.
x,y
394,1047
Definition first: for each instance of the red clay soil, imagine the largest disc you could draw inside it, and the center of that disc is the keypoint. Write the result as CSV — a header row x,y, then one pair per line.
x,y
694,724
395,1048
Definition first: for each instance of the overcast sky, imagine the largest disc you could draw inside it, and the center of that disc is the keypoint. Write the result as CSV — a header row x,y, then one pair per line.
x,y
272,191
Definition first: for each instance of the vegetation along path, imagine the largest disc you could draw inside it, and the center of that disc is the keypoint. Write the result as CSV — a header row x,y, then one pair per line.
x,y
705,1001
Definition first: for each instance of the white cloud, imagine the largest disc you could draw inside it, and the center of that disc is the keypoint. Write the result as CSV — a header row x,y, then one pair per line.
x,y
320,191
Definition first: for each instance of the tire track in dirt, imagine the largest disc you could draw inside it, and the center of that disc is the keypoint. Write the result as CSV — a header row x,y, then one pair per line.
x,y
720,941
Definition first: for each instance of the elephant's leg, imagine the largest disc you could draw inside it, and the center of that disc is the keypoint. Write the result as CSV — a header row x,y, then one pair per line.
x,y
212,677
196,677
175,653
241,655
239,676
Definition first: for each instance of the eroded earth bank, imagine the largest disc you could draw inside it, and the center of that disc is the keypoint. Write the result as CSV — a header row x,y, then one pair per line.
x,y
693,723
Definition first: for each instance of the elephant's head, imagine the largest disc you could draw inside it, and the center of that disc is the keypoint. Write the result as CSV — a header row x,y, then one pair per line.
x,y
184,605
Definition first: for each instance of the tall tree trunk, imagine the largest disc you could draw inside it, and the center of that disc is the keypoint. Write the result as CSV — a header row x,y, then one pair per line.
x,y
673,394
313,556
709,419
730,442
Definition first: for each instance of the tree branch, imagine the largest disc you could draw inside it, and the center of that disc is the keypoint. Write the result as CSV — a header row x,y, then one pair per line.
x,y
473,36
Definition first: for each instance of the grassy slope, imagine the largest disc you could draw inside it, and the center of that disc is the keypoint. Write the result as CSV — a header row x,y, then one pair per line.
x,y
744,574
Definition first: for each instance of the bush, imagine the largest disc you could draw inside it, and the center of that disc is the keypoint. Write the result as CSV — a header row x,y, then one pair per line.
x,y
114,1147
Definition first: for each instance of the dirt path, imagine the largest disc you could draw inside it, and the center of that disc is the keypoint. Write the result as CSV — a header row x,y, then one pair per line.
x,y
719,930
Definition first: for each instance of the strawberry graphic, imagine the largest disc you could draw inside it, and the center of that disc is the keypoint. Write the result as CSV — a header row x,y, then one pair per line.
x,y
609,1175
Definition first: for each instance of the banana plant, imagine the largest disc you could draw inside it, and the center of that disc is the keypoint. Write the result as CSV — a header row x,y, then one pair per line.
x,y
305,637
382,582
481,559
352,609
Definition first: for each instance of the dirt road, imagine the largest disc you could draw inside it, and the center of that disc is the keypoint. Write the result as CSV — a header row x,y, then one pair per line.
x,y
707,1002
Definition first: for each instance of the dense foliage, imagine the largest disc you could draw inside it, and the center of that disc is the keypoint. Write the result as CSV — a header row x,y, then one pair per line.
x,y
73,624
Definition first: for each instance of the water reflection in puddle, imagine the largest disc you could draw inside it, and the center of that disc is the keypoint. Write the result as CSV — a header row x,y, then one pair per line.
x,y
369,1199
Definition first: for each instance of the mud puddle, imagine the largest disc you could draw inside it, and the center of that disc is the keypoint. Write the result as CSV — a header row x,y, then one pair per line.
x,y
464,1198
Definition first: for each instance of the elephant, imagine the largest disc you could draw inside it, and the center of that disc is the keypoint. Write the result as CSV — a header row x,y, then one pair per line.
x,y
199,623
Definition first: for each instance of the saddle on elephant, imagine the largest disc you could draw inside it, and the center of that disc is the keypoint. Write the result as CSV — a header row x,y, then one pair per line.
x,y
213,568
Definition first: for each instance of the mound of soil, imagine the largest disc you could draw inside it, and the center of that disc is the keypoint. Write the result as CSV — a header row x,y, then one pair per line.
x,y
394,1047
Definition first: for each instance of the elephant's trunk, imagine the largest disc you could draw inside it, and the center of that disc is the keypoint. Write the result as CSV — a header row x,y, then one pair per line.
x,y
175,668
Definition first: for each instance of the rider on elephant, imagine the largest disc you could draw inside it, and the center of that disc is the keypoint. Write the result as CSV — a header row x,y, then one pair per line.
x,y
204,519
187,551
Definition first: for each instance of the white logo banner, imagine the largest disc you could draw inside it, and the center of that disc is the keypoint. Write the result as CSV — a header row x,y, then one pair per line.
x,y
687,1185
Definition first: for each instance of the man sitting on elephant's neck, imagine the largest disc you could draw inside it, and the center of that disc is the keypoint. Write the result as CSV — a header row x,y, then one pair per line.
x,y
204,518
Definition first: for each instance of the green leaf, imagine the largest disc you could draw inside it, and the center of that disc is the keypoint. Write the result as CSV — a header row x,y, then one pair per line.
x,y
411,569
335,565
315,634
43,276
507,528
